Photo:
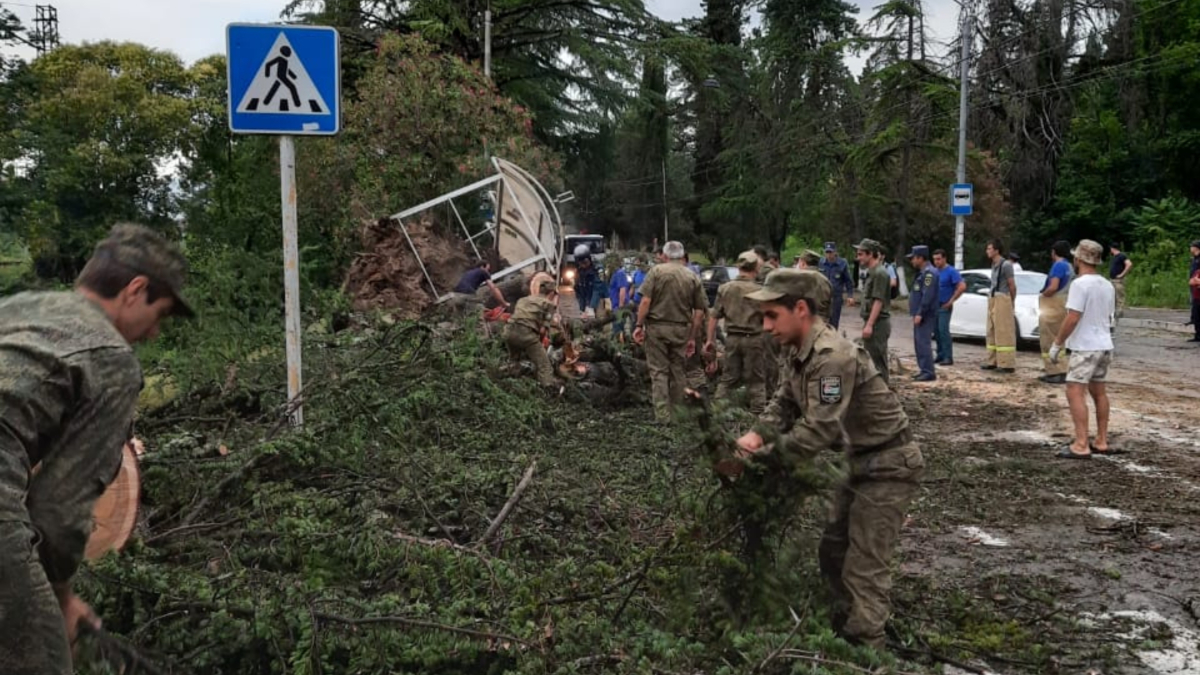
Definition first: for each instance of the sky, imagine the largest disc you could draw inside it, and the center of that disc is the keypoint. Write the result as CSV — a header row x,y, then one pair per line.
x,y
194,29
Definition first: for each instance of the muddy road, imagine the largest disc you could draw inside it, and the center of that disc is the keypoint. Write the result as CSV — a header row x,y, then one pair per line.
x,y
1027,563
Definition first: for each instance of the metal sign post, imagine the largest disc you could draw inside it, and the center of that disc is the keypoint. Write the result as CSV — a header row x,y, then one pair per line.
x,y
961,176
285,81
291,272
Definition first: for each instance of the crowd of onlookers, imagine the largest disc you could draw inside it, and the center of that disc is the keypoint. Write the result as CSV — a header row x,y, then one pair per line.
x,y
1078,309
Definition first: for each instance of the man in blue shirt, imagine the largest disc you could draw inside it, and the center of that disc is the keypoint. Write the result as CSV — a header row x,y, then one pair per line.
x,y
620,294
950,287
923,307
837,271
639,277
477,276
1052,311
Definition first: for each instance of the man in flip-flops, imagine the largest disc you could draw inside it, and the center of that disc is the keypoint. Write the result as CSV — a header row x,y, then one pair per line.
x,y
1087,333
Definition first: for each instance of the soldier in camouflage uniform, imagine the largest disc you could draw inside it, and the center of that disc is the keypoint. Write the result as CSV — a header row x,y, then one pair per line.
x,y
808,259
744,351
523,334
770,346
668,322
766,261
876,304
831,397
69,382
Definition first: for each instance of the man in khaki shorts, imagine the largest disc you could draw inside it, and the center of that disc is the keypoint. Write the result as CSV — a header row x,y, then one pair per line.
x,y
1087,333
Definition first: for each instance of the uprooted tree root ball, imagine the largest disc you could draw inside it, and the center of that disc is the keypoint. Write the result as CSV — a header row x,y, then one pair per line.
x,y
387,275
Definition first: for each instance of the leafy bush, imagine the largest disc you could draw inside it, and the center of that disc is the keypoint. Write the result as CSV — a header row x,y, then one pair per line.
x,y
15,264
1163,228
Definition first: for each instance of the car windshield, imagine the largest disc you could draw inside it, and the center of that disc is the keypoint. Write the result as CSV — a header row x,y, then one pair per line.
x,y
596,246
707,273
1030,284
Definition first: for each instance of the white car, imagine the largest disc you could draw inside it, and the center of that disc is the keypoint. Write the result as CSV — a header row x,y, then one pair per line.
x,y
970,312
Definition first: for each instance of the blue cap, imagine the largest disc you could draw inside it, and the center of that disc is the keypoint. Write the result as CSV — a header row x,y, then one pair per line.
x,y
922,251
830,247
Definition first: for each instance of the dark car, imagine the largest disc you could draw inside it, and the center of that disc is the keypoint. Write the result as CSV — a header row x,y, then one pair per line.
x,y
713,277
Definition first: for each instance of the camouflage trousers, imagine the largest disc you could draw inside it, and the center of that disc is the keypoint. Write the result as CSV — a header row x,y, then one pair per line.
x,y
525,342
665,343
770,359
744,365
860,539
33,639
877,345
696,375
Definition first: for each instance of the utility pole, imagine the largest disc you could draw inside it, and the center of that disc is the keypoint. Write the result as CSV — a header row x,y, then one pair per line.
x,y
487,41
965,68
666,228
44,36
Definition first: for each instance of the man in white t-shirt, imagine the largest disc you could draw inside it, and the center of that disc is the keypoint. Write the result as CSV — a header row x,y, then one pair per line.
x,y
1086,332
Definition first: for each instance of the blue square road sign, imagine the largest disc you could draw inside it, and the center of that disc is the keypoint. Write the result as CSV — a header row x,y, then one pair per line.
x,y
283,79
962,197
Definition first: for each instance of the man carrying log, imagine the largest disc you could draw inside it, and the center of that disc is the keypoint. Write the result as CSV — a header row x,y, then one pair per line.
x,y
69,381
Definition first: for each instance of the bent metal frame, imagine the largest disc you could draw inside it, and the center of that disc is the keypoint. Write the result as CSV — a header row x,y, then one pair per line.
x,y
525,225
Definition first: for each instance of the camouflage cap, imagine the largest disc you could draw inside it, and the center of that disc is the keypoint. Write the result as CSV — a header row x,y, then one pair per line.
x,y
810,257
809,284
747,259
148,253
547,286
869,245
1088,252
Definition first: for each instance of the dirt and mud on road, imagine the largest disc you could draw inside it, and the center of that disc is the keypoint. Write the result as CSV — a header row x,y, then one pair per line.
x,y
1017,562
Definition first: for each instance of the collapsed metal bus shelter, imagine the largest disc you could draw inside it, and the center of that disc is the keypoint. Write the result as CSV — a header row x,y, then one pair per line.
x,y
524,225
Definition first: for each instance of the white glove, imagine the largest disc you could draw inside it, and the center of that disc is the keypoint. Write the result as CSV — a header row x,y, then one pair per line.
x,y
1055,350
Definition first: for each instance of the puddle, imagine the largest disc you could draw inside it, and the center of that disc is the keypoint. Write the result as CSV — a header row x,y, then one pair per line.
x,y
1180,656
1132,466
1016,436
1107,513
974,534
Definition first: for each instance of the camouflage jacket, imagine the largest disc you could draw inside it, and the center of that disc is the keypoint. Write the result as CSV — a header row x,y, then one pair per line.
x,y
830,396
741,315
675,294
533,312
68,387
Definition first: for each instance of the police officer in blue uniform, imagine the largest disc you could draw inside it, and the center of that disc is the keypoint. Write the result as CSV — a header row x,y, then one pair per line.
x,y
837,271
923,307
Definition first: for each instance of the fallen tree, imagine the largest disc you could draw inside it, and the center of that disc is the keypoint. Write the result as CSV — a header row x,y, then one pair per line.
x,y
403,529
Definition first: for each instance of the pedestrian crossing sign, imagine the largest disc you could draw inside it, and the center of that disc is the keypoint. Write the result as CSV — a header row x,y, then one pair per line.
x,y
283,80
